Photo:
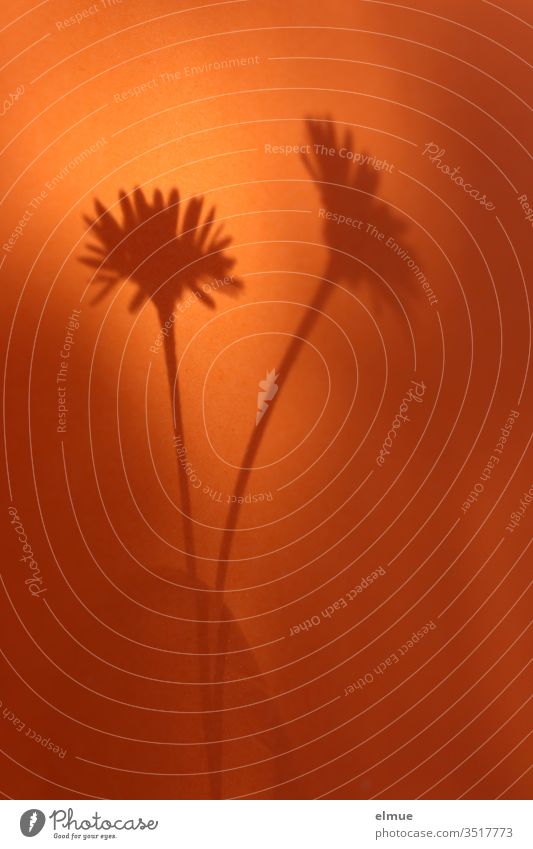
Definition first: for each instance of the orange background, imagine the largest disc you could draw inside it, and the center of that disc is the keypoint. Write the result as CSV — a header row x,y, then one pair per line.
x,y
104,663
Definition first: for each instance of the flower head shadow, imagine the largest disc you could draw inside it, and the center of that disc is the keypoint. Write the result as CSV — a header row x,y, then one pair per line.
x,y
349,189
147,249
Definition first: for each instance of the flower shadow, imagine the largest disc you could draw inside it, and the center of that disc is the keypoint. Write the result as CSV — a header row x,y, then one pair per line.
x,y
148,249
365,237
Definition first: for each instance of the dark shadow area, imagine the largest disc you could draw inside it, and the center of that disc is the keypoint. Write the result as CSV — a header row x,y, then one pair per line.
x,y
360,230
356,254
149,250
